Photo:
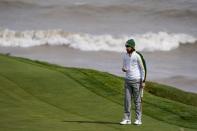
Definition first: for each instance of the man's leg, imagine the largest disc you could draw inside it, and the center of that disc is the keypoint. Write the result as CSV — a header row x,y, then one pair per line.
x,y
127,104
137,101
127,100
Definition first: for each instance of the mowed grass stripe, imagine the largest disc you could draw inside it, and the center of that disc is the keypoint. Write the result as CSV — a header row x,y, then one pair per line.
x,y
42,95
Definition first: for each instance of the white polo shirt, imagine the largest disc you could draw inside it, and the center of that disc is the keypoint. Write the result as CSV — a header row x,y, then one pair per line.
x,y
134,66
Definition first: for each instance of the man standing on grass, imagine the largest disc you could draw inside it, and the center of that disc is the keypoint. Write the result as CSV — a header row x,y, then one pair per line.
x,y
133,66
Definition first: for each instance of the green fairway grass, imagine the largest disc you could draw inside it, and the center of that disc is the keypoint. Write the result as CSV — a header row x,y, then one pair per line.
x,y
38,96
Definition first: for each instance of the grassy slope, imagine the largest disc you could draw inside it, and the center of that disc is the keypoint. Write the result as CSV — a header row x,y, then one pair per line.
x,y
39,96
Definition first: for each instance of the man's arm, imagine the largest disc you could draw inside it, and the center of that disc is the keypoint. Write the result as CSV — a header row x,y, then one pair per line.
x,y
142,69
124,64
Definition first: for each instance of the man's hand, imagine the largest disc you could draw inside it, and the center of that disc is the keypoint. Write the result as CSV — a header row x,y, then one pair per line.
x,y
142,89
143,84
124,70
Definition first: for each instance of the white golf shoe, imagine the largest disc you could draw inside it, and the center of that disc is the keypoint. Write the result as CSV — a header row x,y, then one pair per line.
x,y
137,122
124,122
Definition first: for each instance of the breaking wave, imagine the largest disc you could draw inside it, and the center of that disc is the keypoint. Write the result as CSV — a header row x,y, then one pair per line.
x,y
161,41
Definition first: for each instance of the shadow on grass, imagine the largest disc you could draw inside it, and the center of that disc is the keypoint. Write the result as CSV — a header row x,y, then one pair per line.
x,y
93,122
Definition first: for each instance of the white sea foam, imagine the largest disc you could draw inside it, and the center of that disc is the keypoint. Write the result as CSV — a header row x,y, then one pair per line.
x,y
161,41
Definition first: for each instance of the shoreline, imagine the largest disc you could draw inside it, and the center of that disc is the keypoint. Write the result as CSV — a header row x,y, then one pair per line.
x,y
158,71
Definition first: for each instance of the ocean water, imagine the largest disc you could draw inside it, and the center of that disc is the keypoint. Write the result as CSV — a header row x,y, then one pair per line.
x,y
103,16
164,30
91,25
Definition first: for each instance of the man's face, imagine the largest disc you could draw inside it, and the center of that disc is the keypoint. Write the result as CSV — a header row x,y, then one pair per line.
x,y
129,49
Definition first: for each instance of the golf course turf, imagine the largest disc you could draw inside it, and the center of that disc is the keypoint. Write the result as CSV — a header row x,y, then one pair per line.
x,y
38,96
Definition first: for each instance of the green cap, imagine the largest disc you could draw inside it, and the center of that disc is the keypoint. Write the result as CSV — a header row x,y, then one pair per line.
x,y
130,43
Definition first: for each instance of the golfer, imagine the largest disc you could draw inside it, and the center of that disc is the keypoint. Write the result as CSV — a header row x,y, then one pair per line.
x,y
134,82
